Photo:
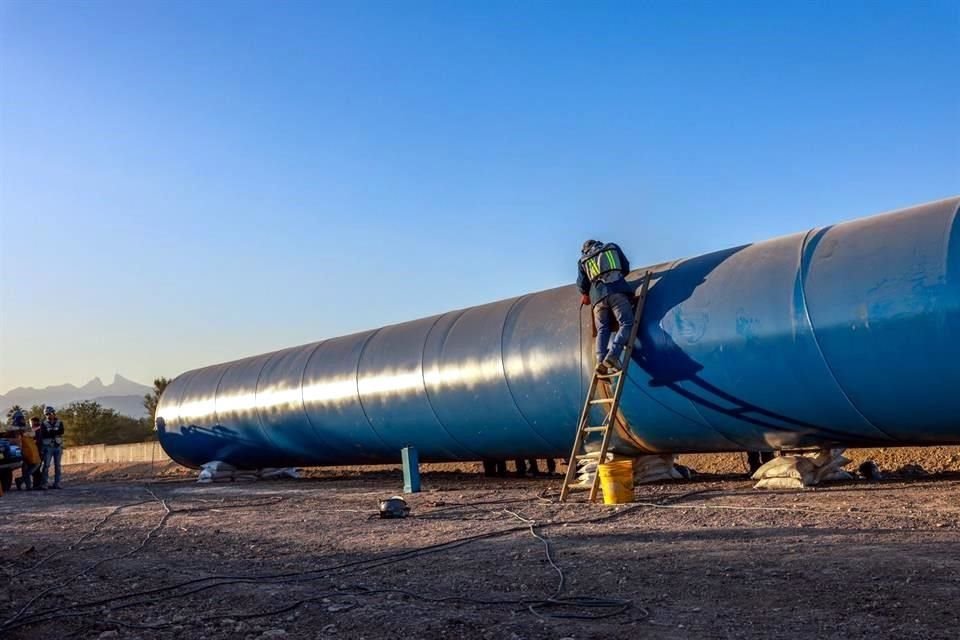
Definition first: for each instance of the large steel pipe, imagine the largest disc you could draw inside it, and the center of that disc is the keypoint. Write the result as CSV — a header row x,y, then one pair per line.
x,y
845,335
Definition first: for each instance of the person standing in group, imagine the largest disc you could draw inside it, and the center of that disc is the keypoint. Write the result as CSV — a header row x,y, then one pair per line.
x,y
28,450
38,468
600,280
51,437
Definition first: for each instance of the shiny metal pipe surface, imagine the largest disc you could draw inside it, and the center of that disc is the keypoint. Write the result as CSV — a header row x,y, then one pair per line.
x,y
844,335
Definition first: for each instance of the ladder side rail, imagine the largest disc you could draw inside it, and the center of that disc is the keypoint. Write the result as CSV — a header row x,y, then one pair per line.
x,y
578,440
618,390
637,316
604,445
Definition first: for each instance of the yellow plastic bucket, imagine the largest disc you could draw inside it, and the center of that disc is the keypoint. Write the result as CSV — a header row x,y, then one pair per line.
x,y
616,480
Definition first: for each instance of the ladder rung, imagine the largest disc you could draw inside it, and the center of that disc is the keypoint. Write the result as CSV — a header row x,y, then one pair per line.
x,y
595,429
607,376
602,401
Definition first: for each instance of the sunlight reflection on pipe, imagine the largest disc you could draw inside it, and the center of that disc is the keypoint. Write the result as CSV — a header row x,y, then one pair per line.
x,y
467,374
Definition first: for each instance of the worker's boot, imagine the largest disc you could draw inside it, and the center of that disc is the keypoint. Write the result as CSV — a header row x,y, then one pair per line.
x,y
611,364
601,366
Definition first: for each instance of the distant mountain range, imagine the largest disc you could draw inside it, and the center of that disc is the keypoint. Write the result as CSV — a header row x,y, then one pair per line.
x,y
122,395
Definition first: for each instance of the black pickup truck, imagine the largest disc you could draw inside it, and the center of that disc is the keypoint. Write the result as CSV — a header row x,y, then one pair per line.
x,y
10,458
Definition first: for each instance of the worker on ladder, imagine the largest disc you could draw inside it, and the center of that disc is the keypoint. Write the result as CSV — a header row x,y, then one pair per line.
x,y
601,282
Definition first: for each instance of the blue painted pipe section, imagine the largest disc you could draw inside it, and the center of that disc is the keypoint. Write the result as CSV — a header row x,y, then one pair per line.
x,y
846,335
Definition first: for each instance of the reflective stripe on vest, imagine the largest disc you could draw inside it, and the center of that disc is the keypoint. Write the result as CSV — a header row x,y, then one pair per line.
x,y
602,262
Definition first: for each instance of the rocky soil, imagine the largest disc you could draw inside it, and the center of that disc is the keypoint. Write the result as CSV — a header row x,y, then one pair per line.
x,y
133,551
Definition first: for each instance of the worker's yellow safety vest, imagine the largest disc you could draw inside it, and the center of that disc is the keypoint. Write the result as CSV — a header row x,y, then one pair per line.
x,y
601,262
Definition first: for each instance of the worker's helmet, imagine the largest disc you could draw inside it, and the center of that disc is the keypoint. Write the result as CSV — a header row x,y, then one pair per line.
x,y
395,507
590,246
17,419
49,411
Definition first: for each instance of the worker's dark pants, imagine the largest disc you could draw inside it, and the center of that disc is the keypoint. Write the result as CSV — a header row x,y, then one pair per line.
x,y
494,468
27,473
614,306
52,456
521,467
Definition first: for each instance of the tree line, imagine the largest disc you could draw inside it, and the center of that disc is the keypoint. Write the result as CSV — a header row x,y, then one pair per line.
x,y
88,422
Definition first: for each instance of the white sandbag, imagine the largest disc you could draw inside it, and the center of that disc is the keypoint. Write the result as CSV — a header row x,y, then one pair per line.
x,y
652,469
828,457
587,469
219,470
655,468
216,470
653,462
660,476
278,473
780,483
797,471
799,467
646,469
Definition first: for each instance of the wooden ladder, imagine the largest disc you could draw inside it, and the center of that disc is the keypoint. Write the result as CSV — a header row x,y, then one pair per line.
x,y
593,399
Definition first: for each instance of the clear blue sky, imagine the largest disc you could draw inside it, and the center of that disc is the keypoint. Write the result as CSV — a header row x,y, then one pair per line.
x,y
183,183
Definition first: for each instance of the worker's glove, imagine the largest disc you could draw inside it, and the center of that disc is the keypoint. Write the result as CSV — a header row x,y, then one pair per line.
x,y
584,298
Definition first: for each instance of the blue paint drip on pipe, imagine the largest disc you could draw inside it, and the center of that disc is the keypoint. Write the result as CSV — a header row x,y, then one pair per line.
x,y
847,335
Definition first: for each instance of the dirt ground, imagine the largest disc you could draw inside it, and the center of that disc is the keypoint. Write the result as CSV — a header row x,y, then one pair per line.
x,y
141,551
